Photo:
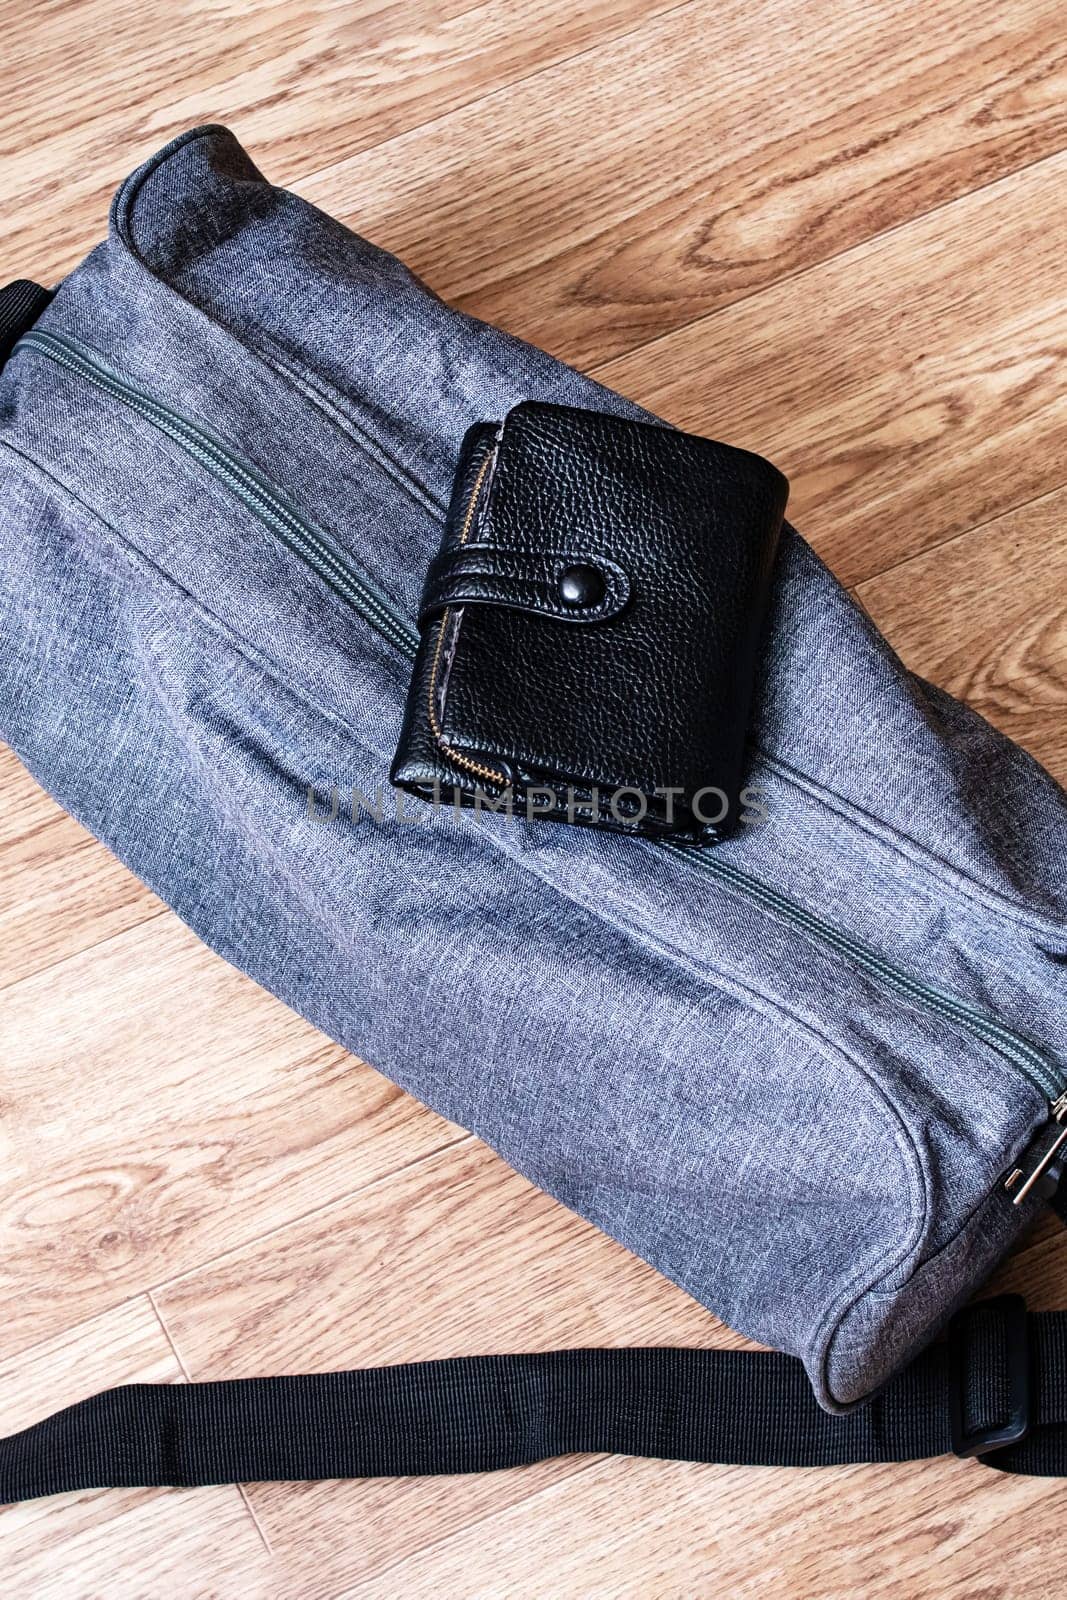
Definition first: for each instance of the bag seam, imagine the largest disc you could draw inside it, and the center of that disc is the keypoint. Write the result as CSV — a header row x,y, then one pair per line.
x,y
896,1255
122,217
912,850
139,559
916,853
936,868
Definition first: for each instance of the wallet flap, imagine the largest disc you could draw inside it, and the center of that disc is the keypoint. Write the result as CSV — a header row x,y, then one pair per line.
x,y
563,584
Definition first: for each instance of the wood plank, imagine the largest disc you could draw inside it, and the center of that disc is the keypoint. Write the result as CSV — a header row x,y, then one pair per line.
x,y
124,1345
122,1543
143,1133
455,1255
60,891
200,1544
710,153
985,617
301,85
625,1529
910,389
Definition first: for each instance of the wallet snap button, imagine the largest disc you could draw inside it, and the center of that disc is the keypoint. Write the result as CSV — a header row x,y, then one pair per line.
x,y
581,586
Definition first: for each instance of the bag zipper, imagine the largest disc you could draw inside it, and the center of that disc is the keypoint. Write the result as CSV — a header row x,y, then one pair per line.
x,y
261,497
312,546
1032,1062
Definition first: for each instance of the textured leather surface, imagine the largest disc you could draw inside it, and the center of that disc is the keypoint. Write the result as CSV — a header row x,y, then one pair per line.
x,y
652,695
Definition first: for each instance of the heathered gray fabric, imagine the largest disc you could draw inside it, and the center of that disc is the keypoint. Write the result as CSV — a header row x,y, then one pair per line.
x,y
807,1152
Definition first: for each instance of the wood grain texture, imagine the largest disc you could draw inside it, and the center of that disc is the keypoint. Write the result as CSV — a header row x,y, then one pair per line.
x,y
454,1256
302,84
126,1543
60,893
159,1108
992,625
829,232
704,155
909,389
620,1529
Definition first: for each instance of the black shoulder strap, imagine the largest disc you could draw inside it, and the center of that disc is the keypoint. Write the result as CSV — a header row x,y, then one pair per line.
x,y
21,303
996,1388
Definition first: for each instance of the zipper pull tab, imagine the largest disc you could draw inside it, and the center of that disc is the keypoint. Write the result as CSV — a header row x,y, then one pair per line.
x,y
1051,1156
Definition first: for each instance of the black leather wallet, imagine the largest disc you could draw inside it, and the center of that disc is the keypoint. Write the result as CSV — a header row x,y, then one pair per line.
x,y
590,626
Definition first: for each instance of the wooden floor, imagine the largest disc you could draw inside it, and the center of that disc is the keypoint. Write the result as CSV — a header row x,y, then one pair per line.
x,y
831,232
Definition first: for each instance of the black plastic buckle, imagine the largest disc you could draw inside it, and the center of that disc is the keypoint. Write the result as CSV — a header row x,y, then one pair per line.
x,y
1011,1343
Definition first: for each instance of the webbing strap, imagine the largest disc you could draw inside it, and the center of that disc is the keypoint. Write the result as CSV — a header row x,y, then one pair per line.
x,y
21,303
1002,1374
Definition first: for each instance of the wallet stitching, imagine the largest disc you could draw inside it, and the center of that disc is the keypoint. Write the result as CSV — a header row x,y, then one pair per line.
x,y
435,726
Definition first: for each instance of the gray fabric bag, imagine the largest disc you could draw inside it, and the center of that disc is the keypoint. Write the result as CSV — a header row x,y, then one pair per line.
x,y
810,1074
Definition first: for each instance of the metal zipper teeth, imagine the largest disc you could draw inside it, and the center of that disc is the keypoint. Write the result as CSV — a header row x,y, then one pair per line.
x,y
261,498
311,546
490,774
